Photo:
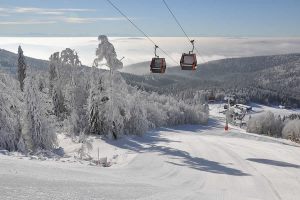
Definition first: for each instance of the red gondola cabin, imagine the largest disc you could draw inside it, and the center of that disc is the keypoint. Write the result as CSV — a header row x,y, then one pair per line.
x,y
188,61
158,65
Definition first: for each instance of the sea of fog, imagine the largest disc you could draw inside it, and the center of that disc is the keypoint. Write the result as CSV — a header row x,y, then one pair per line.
x,y
139,49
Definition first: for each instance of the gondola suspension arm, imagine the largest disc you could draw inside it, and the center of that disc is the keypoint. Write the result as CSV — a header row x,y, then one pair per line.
x,y
155,47
193,44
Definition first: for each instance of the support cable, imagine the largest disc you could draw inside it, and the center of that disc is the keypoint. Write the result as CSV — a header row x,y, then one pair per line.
x,y
140,30
178,23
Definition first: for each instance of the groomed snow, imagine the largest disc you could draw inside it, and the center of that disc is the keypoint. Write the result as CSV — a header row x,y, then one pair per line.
x,y
185,162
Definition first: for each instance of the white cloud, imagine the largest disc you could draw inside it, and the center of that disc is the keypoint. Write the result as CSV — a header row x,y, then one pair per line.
x,y
25,22
50,13
61,15
80,20
76,10
44,11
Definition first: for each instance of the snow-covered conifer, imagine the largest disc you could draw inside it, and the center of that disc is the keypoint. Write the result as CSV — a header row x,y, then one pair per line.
x,y
21,68
56,84
38,131
70,57
10,127
53,76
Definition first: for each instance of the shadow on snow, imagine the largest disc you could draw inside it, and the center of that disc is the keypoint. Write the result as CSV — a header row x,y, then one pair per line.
x,y
150,143
274,162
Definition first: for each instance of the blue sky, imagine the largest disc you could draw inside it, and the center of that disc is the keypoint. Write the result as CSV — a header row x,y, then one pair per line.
x,y
229,18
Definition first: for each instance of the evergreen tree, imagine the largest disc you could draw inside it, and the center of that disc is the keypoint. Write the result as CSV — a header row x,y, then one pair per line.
x,y
70,57
21,68
56,82
53,74
10,126
98,99
39,133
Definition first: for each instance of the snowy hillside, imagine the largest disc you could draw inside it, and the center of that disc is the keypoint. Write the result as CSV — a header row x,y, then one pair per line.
x,y
259,78
9,64
185,162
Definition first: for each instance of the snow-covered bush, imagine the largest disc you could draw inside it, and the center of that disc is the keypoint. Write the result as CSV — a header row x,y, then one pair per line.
x,y
85,148
175,112
291,129
137,122
266,124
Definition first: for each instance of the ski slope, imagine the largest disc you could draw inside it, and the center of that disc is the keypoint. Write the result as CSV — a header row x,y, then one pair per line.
x,y
185,162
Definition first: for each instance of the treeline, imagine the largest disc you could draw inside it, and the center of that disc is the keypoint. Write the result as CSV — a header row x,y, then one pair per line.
x,y
81,101
242,95
287,127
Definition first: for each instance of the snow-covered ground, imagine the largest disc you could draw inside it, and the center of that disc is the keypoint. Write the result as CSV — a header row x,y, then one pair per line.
x,y
185,162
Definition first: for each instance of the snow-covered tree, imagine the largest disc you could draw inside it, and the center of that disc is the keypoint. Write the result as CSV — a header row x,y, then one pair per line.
x,y
58,101
76,91
70,57
63,72
53,76
78,104
56,84
118,104
10,127
107,106
98,98
38,131
21,68
107,51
